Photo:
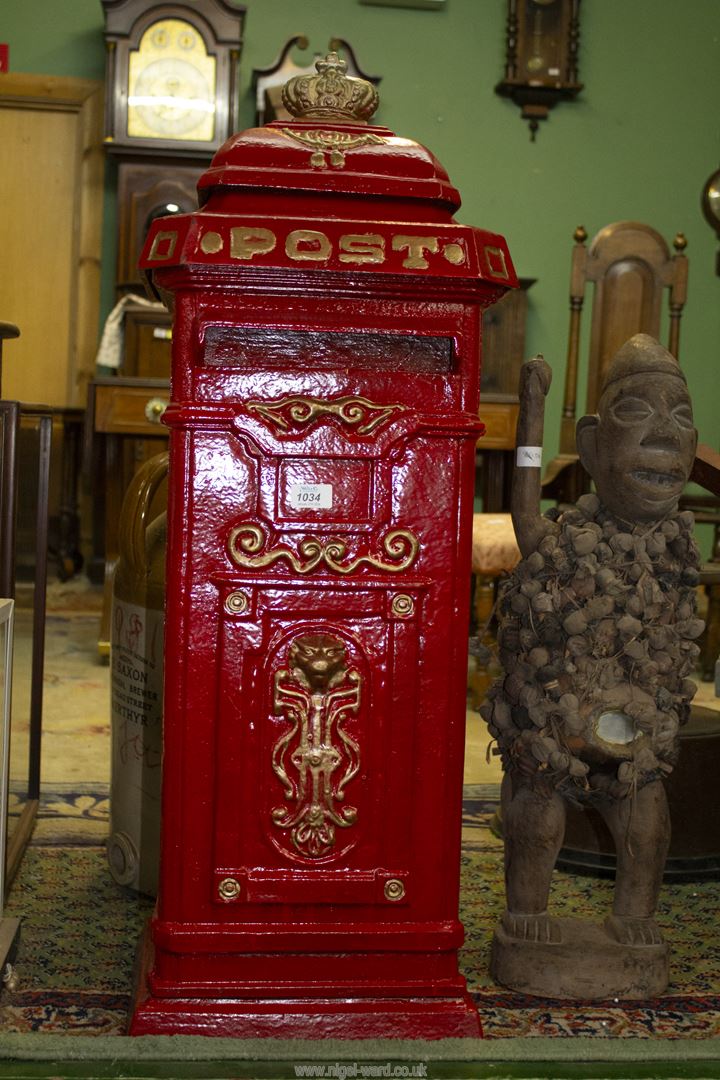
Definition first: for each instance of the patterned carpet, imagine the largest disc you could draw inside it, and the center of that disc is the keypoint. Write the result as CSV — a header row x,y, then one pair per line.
x,y
77,946
80,929
687,915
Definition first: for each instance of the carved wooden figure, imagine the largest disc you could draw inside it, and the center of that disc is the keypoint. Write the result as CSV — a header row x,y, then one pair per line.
x,y
597,640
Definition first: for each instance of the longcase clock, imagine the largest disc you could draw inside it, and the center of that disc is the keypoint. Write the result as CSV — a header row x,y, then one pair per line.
x,y
171,75
171,101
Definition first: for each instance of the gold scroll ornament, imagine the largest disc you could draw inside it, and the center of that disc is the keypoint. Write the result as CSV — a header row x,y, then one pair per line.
x,y
333,143
316,758
329,96
246,545
356,412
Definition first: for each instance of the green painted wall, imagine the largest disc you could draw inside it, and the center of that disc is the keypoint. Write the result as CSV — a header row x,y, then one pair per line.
x,y
639,142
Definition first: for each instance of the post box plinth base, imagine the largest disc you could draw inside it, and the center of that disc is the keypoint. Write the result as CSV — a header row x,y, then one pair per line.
x,y
300,1018
366,1018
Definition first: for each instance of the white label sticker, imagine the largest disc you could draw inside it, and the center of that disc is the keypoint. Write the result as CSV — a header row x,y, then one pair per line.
x,y
529,457
311,496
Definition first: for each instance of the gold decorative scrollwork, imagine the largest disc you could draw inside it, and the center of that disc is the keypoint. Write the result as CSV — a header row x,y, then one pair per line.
x,y
334,143
356,412
246,545
316,758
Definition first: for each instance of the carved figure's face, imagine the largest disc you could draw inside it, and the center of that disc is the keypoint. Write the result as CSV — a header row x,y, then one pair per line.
x,y
643,446
319,657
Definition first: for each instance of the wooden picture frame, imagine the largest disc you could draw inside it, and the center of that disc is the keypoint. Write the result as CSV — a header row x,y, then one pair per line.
x,y
426,5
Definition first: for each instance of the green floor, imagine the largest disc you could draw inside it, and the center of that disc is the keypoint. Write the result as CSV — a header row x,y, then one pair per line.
x,y
181,1056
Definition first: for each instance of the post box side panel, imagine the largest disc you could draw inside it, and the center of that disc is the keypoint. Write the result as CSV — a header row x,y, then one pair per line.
x,y
360,829
321,831
179,617
430,487
210,476
403,641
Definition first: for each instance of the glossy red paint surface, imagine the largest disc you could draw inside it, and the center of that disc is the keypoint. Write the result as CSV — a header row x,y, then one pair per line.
x,y
326,345
381,164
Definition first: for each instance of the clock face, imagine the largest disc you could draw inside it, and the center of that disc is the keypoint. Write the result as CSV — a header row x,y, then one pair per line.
x,y
171,85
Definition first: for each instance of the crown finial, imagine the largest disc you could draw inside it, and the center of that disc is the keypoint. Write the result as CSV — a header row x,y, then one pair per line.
x,y
331,94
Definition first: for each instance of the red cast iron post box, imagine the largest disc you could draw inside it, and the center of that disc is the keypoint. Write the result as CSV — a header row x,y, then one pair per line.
x,y
323,423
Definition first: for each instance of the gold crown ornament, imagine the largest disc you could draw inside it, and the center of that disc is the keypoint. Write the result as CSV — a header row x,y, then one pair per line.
x,y
331,94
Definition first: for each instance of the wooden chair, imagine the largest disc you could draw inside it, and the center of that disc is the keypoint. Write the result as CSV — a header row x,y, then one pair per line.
x,y
494,553
706,508
494,548
630,268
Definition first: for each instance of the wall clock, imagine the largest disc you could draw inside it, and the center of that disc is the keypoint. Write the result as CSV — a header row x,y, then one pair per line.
x,y
171,75
710,202
541,56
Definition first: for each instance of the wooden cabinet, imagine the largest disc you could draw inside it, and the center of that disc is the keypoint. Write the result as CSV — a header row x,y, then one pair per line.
x,y
148,343
124,407
503,354
123,429
146,190
51,194
503,348
499,414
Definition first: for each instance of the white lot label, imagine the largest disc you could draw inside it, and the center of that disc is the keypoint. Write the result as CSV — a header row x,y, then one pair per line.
x,y
311,496
528,457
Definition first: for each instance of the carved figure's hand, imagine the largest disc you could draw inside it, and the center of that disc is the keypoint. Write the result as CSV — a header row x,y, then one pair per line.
x,y
535,378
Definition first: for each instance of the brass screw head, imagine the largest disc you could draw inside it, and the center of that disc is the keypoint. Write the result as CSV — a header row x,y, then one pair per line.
x,y
394,889
237,602
229,888
402,605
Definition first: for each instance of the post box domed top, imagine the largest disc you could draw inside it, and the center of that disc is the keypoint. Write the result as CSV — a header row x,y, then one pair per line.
x,y
327,193
328,147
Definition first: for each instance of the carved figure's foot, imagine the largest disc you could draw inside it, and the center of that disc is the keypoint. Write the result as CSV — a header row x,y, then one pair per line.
x,y
541,928
629,930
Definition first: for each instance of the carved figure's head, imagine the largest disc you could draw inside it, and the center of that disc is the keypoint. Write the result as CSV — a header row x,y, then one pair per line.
x,y
320,657
640,447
